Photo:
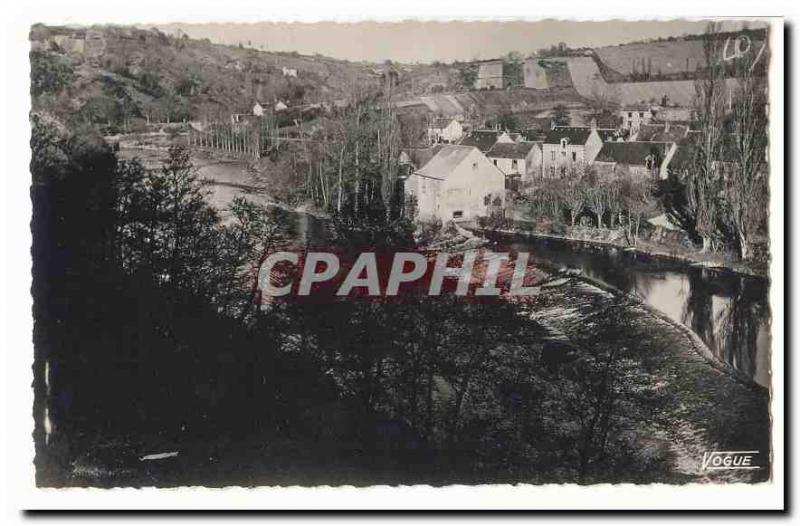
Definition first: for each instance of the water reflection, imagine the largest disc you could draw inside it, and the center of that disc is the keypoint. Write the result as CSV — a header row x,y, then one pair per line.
x,y
729,311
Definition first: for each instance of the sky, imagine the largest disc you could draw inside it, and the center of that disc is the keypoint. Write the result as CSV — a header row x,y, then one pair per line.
x,y
425,42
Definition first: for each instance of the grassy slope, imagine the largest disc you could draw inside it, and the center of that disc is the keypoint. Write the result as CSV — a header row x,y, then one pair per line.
x,y
145,67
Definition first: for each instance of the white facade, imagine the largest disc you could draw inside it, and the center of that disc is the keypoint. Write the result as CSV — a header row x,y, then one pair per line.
x,y
258,110
634,116
527,166
560,157
459,183
451,132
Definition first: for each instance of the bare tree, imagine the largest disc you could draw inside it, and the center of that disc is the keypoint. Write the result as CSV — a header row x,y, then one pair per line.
x,y
746,189
703,180
573,190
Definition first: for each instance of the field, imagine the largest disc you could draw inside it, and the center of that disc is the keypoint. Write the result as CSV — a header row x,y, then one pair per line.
x,y
672,58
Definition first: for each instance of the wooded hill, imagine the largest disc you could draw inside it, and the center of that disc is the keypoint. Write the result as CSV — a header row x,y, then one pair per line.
x,y
123,76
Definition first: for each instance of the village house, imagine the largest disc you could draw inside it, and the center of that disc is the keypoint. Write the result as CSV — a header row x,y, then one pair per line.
x,y
485,139
567,147
666,132
634,116
443,129
521,162
673,113
640,160
459,183
490,75
258,110
289,72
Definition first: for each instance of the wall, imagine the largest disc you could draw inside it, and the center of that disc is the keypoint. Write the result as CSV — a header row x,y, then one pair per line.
x,y
468,186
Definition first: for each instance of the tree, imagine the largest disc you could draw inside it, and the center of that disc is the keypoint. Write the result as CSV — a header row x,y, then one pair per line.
x,y
745,188
638,200
467,75
560,115
513,68
597,200
703,182
573,190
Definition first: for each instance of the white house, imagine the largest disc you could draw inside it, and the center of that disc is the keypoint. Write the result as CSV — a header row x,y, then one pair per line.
x,y
445,130
258,110
280,106
289,72
568,147
634,116
459,183
641,160
522,160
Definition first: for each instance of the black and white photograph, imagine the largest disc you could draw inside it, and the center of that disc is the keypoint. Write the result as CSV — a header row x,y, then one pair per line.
x,y
401,253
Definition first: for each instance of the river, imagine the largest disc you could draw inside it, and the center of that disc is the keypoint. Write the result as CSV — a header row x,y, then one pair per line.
x,y
727,310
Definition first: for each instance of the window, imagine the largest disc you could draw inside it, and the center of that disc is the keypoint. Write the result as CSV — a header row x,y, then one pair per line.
x,y
458,214
574,157
563,155
553,155
564,143
630,114
475,166
514,164
552,171
495,162
641,114
563,171
648,162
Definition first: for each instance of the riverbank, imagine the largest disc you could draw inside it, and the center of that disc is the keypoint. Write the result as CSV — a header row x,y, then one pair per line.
x,y
704,407
603,238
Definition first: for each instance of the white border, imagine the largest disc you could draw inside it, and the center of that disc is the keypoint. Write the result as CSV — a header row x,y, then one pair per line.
x,y
16,354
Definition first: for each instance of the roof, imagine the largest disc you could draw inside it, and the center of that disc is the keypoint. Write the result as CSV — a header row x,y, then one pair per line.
x,y
659,133
608,134
442,122
480,139
635,107
421,156
574,135
504,150
633,153
445,161
683,157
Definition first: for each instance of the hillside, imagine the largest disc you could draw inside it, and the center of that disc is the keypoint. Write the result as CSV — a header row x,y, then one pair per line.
x,y
671,59
123,76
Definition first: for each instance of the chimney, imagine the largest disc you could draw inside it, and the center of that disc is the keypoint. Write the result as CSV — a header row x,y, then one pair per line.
x,y
593,124
666,126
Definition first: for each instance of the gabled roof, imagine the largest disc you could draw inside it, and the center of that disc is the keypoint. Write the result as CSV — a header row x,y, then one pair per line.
x,y
503,150
573,134
480,139
631,153
660,133
445,161
419,157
